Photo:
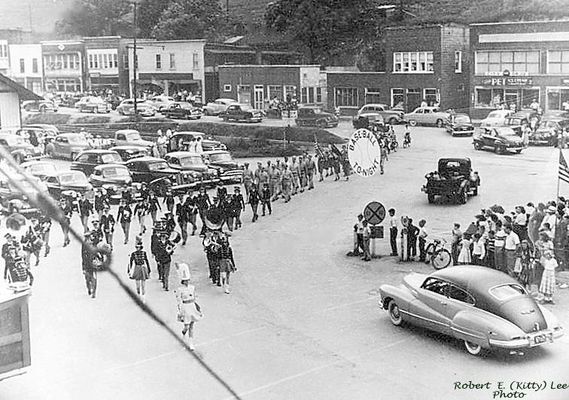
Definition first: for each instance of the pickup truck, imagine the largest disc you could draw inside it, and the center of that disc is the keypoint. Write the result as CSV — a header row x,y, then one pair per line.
x,y
130,137
454,179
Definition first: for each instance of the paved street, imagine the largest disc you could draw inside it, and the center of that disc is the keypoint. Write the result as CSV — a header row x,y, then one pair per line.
x,y
302,321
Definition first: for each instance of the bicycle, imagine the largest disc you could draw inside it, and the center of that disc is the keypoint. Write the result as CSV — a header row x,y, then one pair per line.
x,y
437,254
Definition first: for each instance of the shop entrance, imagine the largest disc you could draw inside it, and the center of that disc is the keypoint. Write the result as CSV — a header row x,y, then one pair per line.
x,y
413,99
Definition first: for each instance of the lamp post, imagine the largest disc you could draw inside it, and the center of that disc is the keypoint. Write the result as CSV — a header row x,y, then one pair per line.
x,y
134,88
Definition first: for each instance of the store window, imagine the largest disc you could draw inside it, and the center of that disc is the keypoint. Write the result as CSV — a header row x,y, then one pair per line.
x,y
346,97
458,62
558,62
397,98
557,98
497,97
413,62
372,95
517,62
431,96
275,91
290,92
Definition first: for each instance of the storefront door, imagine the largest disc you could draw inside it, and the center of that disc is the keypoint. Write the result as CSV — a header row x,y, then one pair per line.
x,y
244,94
259,99
511,97
398,98
413,99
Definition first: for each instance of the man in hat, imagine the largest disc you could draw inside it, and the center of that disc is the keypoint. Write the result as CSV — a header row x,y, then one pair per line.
x,y
101,202
163,256
204,203
182,217
266,199
45,223
191,206
85,210
257,176
107,222
286,183
237,206
67,210
89,271
294,168
248,179
275,179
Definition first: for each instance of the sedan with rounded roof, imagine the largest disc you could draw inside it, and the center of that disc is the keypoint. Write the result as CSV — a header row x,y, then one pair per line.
x,y
484,308
67,145
114,178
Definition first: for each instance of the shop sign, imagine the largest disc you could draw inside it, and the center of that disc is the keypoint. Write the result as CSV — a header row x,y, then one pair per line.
x,y
508,81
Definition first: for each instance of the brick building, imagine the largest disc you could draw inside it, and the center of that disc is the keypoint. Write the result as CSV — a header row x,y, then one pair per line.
x,y
422,62
104,59
257,84
517,62
64,65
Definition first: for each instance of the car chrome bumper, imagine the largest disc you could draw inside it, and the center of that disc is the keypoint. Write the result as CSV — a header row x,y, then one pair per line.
x,y
535,339
514,149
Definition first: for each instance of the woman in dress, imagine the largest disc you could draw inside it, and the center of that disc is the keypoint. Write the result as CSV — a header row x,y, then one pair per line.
x,y
226,262
520,223
547,285
140,210
543,245
139,270
464,257
188,310
525,276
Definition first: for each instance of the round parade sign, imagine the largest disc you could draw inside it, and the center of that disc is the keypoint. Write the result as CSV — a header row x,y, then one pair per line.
x,y
374,213
364,152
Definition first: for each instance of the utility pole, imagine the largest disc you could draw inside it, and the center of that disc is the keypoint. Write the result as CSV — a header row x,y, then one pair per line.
x,y
134,60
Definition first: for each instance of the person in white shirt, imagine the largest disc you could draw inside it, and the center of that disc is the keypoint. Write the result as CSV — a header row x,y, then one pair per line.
x,y
511,245
478,249
359,230
199,148
550,218
366,234
423,234
393,228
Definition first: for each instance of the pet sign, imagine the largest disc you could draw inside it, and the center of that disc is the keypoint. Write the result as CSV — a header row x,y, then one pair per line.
x,y
364,153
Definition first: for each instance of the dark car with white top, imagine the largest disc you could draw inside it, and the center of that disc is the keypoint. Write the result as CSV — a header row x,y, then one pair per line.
x,y
499,139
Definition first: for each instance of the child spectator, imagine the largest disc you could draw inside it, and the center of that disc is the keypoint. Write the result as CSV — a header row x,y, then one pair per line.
x,y
525,275
422,240
547,286
366,235
464,257
490,249
478,250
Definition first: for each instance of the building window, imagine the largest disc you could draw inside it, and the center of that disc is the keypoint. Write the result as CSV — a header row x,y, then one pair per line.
x,y
458,62
158,61
319,95
413,62
35,65
172,61
397,98
22,66
90,58
558,62
372,95
431,96
3,51
346,97
227,88
290,92
557,98
115,60
136,62
516,62
195,60
106,61
125,61
304,95
275,91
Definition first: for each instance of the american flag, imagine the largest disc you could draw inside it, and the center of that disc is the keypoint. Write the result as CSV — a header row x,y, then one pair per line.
x,y
563,168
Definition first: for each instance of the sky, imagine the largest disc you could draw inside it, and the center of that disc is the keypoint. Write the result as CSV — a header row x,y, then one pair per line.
x,y
43,13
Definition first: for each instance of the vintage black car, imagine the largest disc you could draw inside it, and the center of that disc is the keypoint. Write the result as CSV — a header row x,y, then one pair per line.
x,y
194,165
130,152
12,199
87,160
181,110
548,130
454,179
316,116
181,141
499,139
63,182
369,121
229,171
241,112
18,147
158,175
114,178
459,125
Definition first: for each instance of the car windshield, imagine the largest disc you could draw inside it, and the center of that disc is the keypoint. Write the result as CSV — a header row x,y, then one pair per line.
x,y
73,178
507,292
220,157
462,119
111,158
506,132
133,136
77,139
495,114
191,160
157,166
115,172
318,110
42,168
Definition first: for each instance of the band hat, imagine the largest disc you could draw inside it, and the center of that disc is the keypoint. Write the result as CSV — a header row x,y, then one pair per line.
x,y
551,209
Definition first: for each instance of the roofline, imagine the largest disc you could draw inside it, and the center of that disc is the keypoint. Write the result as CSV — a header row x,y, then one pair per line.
x,y
518,22
54,42
166,41
425,26
270,65
23,93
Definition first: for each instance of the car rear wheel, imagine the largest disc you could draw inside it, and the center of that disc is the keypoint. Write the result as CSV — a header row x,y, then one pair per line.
x,y
394,313
472,348
72,156
439,123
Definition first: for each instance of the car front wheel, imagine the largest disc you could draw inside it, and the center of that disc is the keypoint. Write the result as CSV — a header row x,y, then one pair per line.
x,y
472,348
395,313
499,149
477,146
413,123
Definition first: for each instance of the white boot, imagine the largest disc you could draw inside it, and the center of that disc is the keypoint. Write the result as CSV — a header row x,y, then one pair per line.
x,y
191,343
226,288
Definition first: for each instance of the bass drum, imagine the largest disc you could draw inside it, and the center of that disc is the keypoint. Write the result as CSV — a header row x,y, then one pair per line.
x,y
175,237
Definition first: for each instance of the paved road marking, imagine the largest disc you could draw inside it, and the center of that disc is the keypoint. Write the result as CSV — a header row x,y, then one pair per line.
x,y
311,370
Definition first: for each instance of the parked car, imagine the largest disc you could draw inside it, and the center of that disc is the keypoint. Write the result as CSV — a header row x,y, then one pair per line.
x,y
389,115
459,125
316,116
217,106
159,176
36,136
369,120
484,308
129,152
51,130
87,160
195,165
68,181
12,199
454,179
130,137
180,141
495,118
18,147
548,130
427,116
92,104
114,178
126,107
181,110
161,102
499,139
228,170
41,106
39,168
241,112
67,145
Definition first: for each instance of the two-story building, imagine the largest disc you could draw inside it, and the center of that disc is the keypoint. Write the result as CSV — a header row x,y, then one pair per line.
x,y
103,56
516,63
26,66
64,65
167,66
423,63
256,85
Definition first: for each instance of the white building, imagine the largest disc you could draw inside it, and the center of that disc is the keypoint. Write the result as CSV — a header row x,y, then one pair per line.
x,y
26,66
4,57
168,66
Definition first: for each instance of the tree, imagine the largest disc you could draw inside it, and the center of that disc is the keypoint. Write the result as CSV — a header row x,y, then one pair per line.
x,y
149,13
96,18
191,19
